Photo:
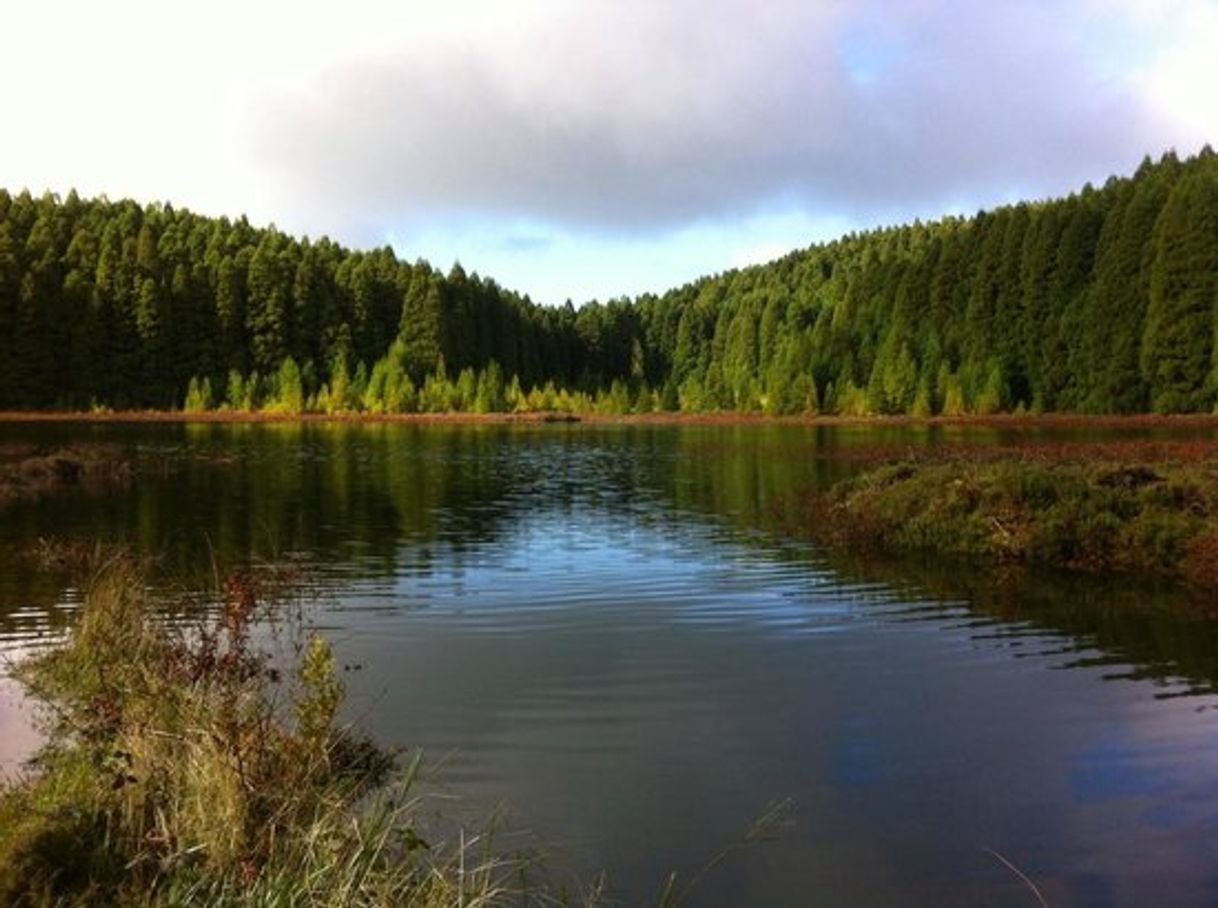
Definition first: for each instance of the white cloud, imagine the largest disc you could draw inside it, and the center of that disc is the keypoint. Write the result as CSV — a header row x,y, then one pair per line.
x,y
1180,77
601,119
647,117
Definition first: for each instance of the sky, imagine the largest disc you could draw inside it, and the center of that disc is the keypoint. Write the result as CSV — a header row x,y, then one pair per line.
x,y
595,148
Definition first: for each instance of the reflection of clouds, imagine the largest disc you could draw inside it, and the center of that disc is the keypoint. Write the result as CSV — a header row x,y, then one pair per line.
x,y
657,679
19,627
1112,769
22,631
1144,823
598,626
18,736
1101,792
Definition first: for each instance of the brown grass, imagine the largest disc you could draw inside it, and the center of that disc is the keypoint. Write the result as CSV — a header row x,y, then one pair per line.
x,y
27,472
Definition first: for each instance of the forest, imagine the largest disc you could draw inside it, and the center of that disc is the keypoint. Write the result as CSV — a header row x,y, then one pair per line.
x,y
1105,301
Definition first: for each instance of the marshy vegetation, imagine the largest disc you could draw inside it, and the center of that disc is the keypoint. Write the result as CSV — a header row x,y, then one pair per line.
x,y
27,471
1146,508
186,765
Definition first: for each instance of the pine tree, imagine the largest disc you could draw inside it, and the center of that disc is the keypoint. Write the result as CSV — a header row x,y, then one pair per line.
x,y
1178,345
1103,301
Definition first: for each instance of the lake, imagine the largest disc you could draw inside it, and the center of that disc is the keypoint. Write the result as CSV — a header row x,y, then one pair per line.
x,y
618,637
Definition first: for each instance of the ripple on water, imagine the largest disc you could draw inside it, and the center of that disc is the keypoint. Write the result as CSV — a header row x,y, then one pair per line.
x,y
611,631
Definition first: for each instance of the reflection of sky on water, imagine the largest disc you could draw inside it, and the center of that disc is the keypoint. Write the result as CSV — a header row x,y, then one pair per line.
x,y
19,737
611,632
613,678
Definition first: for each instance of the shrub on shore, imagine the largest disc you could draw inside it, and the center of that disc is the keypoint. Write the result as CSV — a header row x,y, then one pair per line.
x,y
1152,517
183,767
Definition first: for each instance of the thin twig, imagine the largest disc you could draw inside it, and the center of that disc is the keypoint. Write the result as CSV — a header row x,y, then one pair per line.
x,y
1023,876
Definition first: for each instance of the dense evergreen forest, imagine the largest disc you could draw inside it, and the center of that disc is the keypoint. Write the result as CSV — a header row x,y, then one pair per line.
x,y
1102,302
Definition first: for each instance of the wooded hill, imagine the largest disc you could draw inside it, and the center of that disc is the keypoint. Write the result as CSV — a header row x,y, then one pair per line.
x,y
1105,302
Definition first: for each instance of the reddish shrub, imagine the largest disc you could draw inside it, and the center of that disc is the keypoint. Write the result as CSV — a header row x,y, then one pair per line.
x,y
1201,563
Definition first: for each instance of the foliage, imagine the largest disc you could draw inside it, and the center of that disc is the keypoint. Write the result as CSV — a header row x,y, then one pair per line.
x,y
1100,302
173,776
1135,514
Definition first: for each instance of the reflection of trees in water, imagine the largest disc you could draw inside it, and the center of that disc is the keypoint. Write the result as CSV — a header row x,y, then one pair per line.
x,y
758,484
1141,630
361,501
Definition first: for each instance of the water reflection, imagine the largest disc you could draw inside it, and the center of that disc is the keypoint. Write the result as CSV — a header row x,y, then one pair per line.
x,y
617,631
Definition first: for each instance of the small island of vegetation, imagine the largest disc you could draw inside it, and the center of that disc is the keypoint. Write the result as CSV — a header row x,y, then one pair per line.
x,y
1149,509
29,472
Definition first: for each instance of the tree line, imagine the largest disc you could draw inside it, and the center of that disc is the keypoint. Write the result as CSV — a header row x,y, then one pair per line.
x,y
1105,301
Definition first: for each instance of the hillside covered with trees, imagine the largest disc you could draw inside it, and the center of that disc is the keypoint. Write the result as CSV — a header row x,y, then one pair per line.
x,y
1102,302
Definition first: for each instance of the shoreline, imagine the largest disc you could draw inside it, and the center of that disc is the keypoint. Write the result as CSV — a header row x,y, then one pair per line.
x,y
1147,512
998,421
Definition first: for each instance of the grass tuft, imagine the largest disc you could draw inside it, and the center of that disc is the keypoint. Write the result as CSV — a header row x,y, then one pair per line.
x,y
183,768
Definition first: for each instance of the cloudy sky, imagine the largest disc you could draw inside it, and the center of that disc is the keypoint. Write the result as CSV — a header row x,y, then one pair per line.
x,y
579,149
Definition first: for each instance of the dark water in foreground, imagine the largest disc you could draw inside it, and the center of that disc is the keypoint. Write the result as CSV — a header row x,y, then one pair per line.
x,y
611,633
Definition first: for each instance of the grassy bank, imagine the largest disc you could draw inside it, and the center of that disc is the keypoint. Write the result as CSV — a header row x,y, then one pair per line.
x,y
1148,509
184,766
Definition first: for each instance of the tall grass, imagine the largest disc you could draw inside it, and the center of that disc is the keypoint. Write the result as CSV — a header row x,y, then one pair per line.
x,y
183,767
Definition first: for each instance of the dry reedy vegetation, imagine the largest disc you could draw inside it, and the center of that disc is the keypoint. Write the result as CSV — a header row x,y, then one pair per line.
x,y
27,472
183,767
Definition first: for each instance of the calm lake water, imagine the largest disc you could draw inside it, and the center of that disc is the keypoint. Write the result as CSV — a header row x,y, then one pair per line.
x,y
613,634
